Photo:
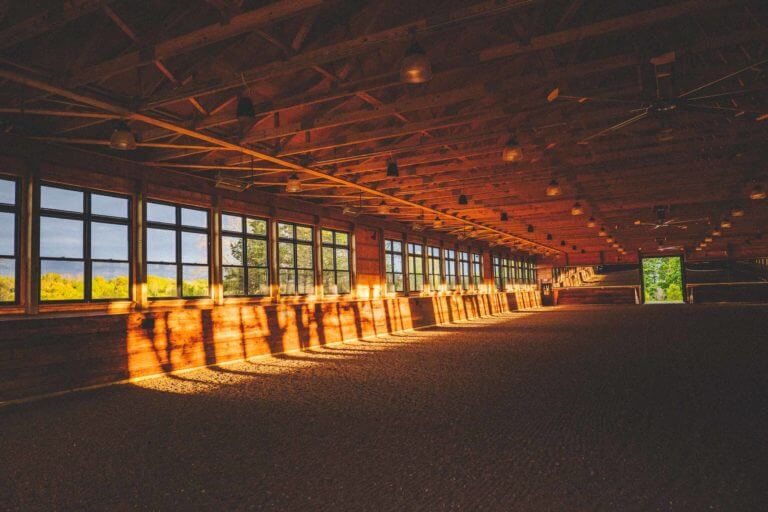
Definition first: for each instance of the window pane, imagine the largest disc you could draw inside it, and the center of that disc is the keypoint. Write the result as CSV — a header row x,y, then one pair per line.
x,y
257,253
287,283
109,206
284,230
61,280
342,259
231,250
388,263
231,223
258,281
285,254
397,246
306,282
304,233
161,280
109,241
109,281
398,263
7,192
7,280
329,284
55,198
304,256
342,238
343,282
161,245
387,245
328,258
256,226
327,236
7,229
194,218
194,248
194,281
157,212
233,281
61,238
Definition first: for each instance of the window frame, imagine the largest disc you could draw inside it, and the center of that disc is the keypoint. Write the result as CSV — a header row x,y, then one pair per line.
x,y
244,236
87,218
335,270
412,257
178,229
476,262
295,242
465,278
498,275
434,256
450,284
389,256
15,210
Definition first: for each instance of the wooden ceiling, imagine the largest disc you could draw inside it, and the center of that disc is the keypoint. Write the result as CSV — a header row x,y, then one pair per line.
x,y
324,78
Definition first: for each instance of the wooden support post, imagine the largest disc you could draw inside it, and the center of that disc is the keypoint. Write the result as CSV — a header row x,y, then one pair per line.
x,y
274,284
317,254
29,238
140,292
215,245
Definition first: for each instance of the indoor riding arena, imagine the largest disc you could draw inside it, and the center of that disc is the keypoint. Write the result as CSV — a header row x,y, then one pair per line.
x,y
383,255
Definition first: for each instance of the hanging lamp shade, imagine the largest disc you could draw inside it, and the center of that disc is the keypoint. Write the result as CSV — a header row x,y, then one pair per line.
x,y
737,211
245,110
708,239
562,243
717,232
293,185
591,222
512,151
549,236
577,209
415,67
463,199
530,228
609,240
504,216
637,222
553,189
392,170
757,193
122,138
351,211
602,232
382,208
438,222
726,223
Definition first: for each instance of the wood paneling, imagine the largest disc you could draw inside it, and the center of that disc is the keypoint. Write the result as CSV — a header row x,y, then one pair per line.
x,y
57,353
597,295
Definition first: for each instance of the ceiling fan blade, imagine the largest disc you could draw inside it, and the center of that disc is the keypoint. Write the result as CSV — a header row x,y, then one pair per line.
x,y
686,221
592,99
728,94
657,226
615,127
754,65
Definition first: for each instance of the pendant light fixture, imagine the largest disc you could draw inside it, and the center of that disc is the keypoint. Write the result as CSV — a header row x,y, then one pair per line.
x,y
717,232
591,222
757,193
602,231
245,112
737,211
504,217
382,208
577,209
609,240
512,151
726,223
438,222
122,138
415,67
293,185
392,169
553,189
530,228
637,222
549,236
708,239
463,199
562,243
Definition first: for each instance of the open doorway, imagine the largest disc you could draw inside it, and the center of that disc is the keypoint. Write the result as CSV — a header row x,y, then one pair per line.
x,y
663,281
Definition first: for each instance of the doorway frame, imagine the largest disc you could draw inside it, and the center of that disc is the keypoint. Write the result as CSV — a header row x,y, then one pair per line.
x,y
683,284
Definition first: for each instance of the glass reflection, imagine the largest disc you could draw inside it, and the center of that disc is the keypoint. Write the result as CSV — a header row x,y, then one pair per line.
x,y
54,198
109,241
109,280
161,245
61,280
61,238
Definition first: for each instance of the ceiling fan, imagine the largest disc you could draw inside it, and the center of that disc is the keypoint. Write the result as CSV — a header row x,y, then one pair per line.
x,y
663,222
664,248
666,102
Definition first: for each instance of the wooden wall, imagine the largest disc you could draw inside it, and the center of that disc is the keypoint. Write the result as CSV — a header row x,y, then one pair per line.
x,y
53,353
598,295
728,292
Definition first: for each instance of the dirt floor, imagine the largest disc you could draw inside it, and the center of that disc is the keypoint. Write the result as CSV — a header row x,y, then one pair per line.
x,y
589,408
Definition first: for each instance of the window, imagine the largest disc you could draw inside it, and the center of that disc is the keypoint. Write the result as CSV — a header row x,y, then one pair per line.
x,y
510,266
477,270
336,276
415,267
177,251
433,268
498,273
296,272
244,256
464,276
393,265
450,268
9,216
84,245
